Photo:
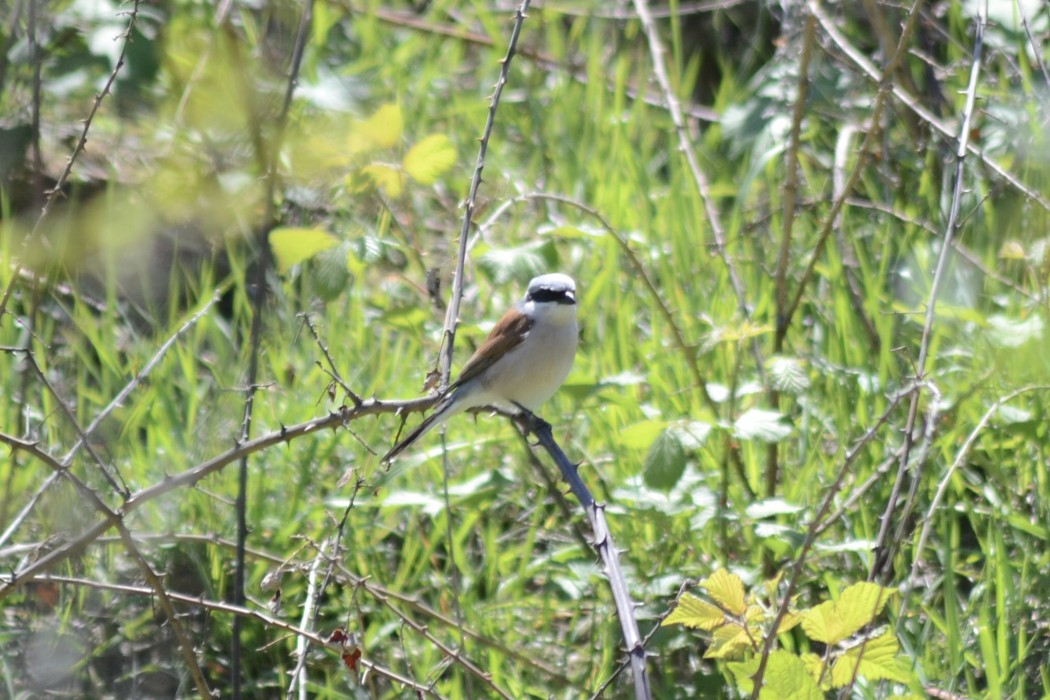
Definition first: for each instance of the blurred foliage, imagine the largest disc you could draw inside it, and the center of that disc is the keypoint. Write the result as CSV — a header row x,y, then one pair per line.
x,y
712,438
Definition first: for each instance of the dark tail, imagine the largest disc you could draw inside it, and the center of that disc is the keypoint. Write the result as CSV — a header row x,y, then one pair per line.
x,y
431,421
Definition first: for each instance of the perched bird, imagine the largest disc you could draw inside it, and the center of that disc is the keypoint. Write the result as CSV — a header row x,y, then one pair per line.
x,y
521,364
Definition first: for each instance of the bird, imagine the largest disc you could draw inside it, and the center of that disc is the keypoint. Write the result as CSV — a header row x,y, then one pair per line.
x,y
523,361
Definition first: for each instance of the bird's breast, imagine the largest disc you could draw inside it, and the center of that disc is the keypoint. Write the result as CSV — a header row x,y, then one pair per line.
x,y
531,373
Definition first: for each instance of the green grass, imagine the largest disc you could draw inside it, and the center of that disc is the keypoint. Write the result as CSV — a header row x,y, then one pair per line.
x,y
497,550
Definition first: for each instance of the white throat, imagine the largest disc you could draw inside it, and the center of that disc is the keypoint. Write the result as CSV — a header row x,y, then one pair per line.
x,y
549,312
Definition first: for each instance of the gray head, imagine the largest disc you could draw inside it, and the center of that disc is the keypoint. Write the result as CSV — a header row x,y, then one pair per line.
x,y
552,288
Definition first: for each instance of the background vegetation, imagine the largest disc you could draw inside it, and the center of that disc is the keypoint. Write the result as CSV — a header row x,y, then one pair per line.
x,y
812,249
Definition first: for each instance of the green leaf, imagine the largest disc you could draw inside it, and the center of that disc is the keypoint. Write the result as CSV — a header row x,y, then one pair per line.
x,y
429,159
743,671
330,275
694,612
292,246
760,424
727,590
641,436
786,678
381,130
789,622
874,660
815,665
834,621
1022,523
385,177
729,642
665,462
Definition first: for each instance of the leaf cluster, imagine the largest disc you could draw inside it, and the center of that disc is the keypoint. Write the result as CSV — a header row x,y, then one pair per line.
x,y
740,622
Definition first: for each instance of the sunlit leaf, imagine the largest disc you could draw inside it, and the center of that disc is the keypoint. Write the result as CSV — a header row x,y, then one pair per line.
x,y
763,425
381,130
693,434
786,677
640,436
385,177
743,671
834,621
292,246
429,159
788,374
769,507
815,666
875,659
1011,250
727,590
788,622
847,546
735,334
729,642
692,611
1013,333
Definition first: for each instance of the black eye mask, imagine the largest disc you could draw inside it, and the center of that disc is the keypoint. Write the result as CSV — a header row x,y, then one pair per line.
x,y
558,296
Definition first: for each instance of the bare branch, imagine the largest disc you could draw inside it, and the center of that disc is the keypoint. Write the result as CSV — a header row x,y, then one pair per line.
x,y
448,338
913,103
239,611
884,544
